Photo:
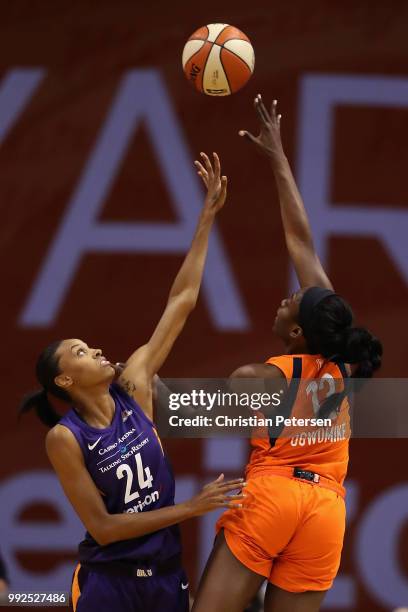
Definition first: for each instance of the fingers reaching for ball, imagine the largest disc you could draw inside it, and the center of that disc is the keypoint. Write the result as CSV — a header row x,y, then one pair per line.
x,y
216,184
205,169
265,117
275,118
202,172
261,110
269,139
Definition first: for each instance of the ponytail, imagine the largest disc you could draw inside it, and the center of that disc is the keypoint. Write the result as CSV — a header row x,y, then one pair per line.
x,y
331,334
362,348
43,407
47,368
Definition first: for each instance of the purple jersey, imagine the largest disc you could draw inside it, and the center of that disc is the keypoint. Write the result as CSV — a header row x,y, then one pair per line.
x,y
127,464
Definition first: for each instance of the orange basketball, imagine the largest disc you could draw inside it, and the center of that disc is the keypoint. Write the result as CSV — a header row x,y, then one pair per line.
x,y
218,59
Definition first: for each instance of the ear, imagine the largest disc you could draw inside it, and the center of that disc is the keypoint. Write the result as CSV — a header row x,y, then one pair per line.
x,y
296,332
63,381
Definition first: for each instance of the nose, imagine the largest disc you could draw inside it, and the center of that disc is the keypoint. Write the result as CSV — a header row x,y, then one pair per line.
x,y
284,302
98,353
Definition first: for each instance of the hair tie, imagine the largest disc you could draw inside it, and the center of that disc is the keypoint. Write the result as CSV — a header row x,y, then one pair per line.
x,y
311,298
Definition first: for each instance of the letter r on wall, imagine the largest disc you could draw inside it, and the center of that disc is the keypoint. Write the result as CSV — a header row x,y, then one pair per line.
x,y
319,95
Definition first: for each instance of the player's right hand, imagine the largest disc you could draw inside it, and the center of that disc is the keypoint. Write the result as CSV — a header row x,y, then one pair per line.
x,y
215,183
215,495
269,139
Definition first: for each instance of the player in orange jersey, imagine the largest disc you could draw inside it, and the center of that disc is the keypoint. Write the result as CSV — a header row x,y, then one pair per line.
x,y
290,531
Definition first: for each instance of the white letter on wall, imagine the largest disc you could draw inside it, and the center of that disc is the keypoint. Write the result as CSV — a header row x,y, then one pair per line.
x,y
18,492
16,90
141,95
318,97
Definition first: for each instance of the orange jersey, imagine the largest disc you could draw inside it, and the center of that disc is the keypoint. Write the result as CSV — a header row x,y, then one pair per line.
x,y
324,450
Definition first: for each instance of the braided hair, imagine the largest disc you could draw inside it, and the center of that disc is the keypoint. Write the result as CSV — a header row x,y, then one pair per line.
x,y
327,323
330,332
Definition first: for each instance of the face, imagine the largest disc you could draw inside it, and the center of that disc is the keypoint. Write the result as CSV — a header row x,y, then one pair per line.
x,y
82,366
286,324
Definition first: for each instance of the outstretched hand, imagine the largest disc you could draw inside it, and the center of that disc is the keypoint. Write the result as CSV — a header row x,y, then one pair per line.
x,y
216,495
215,183
269,140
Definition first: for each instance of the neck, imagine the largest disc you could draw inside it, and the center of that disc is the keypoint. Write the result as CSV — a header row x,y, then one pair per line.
x,y
296,348
95,405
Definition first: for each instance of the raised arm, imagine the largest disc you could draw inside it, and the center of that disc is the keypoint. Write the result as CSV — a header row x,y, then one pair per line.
x,y
67,460
146,361
298,234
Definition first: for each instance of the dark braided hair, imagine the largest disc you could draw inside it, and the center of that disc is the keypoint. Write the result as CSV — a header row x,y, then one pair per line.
x,y
47,368
330,333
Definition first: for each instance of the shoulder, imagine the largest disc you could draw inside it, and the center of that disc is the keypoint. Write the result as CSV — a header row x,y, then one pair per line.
x,y
257,370
61,442
283,363
59,434
126,392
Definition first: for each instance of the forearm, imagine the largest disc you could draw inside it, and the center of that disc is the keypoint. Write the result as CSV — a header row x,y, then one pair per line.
x,y
294,217
298,235
191,272
134,525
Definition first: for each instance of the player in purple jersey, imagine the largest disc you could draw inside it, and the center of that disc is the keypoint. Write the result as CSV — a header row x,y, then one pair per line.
x,y
110,461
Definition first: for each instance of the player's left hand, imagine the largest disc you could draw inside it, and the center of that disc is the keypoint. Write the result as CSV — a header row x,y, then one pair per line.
x,y
269,140
215,183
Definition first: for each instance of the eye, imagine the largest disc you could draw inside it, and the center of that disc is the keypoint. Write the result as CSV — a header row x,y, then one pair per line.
x,y
81,351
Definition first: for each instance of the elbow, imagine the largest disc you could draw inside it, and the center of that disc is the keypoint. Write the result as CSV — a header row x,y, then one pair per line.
x,y
101,539
190,302
102,532
187,300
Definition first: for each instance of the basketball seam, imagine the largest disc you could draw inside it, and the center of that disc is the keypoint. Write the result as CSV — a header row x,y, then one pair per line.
x,y
218,44
219,34
236,55
202,83
195,38
240,39
225,72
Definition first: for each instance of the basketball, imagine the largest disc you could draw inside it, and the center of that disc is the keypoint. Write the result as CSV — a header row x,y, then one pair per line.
x,y
218,59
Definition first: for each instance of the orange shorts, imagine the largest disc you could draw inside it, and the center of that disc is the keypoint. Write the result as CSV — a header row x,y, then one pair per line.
x,y
290,531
